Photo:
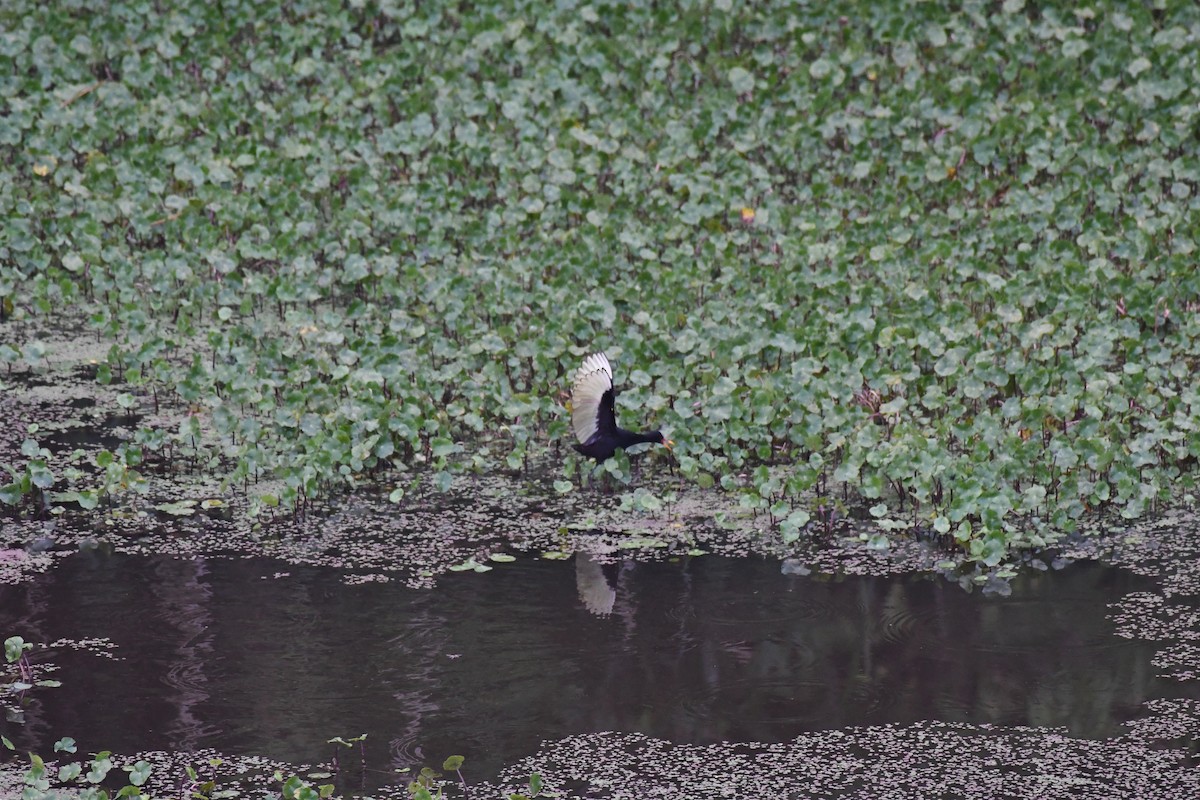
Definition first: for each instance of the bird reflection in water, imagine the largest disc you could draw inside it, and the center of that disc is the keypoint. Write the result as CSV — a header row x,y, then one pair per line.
x,y
597,584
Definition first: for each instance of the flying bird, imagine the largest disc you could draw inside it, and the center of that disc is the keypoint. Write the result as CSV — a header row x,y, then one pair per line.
x,y
594,418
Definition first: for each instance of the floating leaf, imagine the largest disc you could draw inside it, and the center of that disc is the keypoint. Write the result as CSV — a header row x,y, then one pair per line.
x,y
139,773
179,508
640,542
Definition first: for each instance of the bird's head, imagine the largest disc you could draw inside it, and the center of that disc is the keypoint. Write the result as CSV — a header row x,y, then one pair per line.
x,y
658,436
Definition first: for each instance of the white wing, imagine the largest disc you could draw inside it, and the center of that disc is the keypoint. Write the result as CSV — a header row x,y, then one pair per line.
x,y
592,363
592,380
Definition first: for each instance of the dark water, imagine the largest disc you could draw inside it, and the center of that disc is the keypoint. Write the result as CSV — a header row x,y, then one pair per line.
x,y
217,653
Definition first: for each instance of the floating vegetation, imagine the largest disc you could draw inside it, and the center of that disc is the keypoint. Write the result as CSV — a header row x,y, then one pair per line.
x,y
928,759
99,646
935,263
22,554
203,773
1167,550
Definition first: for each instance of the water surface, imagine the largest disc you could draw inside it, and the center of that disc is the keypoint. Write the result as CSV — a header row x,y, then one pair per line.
x,y
226,654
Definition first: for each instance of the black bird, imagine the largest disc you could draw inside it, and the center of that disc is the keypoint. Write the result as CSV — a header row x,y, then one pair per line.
x,y
595,419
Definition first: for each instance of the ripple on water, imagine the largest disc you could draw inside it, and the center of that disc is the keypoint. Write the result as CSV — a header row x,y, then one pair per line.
x,y
900,623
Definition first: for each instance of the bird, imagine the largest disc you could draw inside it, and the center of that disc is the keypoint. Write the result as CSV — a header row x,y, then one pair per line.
x,y
594,418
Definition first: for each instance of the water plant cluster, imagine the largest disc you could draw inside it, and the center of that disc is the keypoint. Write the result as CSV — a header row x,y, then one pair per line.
x,y
99,777
937,262
18,677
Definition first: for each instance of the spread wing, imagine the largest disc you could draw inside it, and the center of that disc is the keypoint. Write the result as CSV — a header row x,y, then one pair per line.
x,y
592,399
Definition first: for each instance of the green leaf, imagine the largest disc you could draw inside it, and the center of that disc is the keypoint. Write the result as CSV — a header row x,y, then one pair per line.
x,y
741,80
469,564
993,551
290,787
139,773
100,767
11,494
453,763
40,476
1138,66
14,648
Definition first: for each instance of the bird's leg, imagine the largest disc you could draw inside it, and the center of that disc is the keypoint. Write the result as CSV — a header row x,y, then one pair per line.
x,y
606,482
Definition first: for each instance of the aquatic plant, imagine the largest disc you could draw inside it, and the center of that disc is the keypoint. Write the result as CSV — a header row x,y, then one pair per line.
x,y
536,789
16,653
429,786
937,263
97,778
30,481
20,677
83,778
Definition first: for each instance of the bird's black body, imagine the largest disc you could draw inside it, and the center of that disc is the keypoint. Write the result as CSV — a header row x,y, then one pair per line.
x,y
594,414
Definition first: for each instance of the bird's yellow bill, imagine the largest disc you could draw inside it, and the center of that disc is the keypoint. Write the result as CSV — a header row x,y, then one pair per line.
x,y
667,443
